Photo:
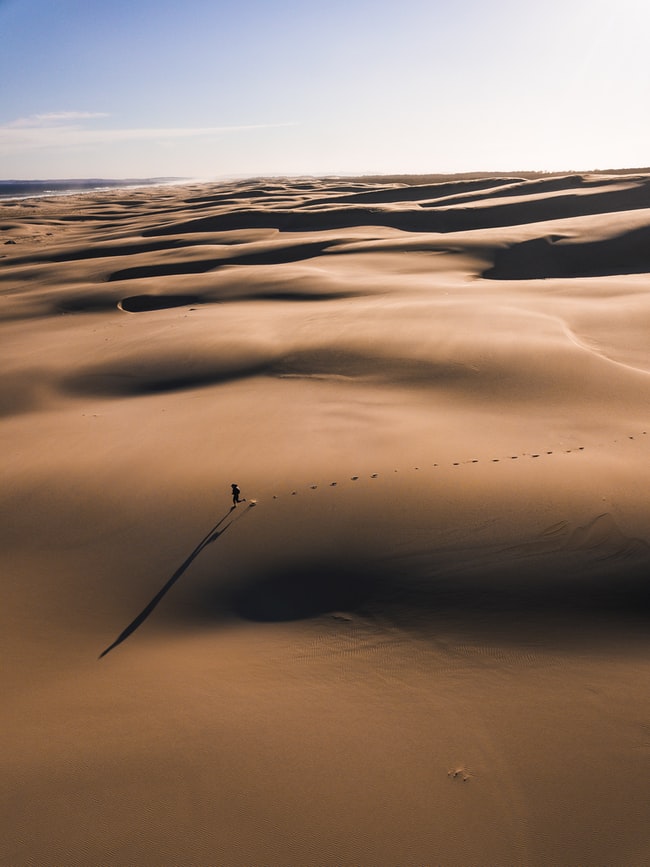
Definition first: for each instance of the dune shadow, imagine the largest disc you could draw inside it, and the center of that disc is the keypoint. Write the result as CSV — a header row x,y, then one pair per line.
x,y
123,383
149,303
552,596
152,302
103,250
277,255
302,591
411,193
210,537
559,257
415,216
119,380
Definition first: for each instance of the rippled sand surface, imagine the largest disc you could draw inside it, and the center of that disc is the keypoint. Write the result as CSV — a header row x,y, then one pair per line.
x,y
423,636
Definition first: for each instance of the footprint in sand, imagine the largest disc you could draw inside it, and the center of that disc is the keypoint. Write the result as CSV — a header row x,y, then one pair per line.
x,y
455,464
459,774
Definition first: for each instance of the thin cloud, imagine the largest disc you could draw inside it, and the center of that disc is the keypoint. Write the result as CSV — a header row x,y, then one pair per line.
x,y
52,117
56,116
52,131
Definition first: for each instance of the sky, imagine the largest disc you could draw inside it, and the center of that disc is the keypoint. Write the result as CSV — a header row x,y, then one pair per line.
x,y
231,88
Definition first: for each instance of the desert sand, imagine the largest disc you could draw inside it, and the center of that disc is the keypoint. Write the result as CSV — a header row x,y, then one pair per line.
x,y
426,641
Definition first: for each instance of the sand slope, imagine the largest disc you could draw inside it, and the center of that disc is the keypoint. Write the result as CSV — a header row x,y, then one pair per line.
x,y
426,643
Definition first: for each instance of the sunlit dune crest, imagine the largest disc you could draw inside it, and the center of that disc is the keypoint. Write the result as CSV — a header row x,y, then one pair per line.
x,y
421,636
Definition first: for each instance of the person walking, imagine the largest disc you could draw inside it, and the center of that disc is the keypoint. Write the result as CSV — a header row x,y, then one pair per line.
x,y
235,495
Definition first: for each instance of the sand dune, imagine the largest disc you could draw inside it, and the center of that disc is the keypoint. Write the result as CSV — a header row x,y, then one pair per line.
x,y
425,641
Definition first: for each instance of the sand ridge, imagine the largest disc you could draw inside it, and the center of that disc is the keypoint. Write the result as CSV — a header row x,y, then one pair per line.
x,y
427,641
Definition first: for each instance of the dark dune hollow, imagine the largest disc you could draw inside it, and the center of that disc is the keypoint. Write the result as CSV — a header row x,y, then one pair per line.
x,y
581,587
126,383
555,256
485,595
304,590
147,303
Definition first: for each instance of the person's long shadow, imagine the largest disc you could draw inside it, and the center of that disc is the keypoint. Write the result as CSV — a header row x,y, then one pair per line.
x,y
212,536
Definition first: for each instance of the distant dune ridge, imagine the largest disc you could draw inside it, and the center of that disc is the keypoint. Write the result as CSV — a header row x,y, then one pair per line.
x,y
428,642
